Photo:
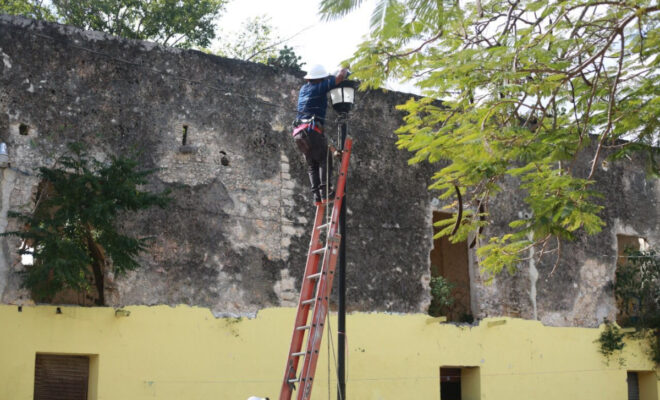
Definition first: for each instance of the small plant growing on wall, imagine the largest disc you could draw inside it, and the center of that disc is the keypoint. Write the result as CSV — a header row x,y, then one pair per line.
x,y
441,298
610,341
231,323
72,233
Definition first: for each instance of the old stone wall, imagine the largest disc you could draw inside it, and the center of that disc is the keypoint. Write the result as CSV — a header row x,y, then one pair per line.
x,y
236,235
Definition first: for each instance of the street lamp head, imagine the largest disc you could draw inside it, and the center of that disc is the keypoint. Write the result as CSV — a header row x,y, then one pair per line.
x,y
342,96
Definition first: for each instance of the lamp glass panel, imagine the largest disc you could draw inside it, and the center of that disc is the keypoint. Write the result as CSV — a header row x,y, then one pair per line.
x,y
348,94
336,95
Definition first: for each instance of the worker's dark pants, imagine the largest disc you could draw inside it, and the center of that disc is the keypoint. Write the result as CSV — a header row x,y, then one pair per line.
x,y
314,146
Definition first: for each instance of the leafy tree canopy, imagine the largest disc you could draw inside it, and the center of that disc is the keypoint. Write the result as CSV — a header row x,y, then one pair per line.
x,y
182,23
253,42
72,233
27,8
258,41
526,86
287,58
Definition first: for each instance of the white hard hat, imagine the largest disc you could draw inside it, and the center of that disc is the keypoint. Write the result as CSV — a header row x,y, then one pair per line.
x,y
316,72
257,398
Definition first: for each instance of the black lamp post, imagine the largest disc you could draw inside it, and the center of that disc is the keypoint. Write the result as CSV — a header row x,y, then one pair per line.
x,y
342,101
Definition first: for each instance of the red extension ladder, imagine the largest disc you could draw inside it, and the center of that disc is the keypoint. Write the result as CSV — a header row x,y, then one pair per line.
x,y
315,292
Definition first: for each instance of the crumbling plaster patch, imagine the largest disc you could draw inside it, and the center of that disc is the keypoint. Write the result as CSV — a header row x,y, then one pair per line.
x,y
6,60
200,165
285,289
6,185
591,307
595,275
533,277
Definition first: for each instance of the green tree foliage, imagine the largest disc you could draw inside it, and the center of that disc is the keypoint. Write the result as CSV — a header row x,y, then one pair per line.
x,y
258,41
441,297
254,41
527,86
72,234
287,58
27,8
182,23
637,288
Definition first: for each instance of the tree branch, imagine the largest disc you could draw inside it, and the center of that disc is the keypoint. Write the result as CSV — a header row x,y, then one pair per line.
x,y
278,43
610,107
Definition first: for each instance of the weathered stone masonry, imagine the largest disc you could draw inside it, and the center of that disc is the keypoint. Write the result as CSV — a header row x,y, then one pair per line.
x,y
236,235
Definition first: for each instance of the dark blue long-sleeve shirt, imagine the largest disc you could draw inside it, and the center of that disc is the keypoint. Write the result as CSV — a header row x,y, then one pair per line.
x,y
313,99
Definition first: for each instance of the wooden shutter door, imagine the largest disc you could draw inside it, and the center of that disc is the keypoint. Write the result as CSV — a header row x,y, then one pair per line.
x,y
58,377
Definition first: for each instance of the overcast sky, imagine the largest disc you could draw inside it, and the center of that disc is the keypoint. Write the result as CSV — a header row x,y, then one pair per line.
x,y
326,43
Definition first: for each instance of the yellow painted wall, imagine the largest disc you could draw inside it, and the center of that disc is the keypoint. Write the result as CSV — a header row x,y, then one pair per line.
x,y
185,353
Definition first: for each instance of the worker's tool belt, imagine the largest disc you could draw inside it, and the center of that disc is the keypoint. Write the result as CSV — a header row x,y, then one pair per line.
x,y
302,128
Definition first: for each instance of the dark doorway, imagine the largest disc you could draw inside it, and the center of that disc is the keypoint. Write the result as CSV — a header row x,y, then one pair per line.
x,y
633,386
460,383
450,383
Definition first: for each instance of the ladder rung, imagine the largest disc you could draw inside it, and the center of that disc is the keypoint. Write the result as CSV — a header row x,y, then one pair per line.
x,y
294,380
319,251
310,301
302,328
302,353
314,276
323,226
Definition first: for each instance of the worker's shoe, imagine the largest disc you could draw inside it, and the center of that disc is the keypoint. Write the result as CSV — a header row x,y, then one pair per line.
x,y
327,196
317,197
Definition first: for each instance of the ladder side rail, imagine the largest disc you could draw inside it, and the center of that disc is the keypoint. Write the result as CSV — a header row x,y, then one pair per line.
x,y
341,180
307,290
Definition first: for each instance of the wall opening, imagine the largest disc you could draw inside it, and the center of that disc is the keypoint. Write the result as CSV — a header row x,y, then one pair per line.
x,y
184,139
23,130
26,252
642,385
45,191
450,261
224,160
629,311
460,383
62,377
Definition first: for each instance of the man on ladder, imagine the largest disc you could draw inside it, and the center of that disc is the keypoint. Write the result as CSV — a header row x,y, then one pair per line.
x,y
322,255
308,127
